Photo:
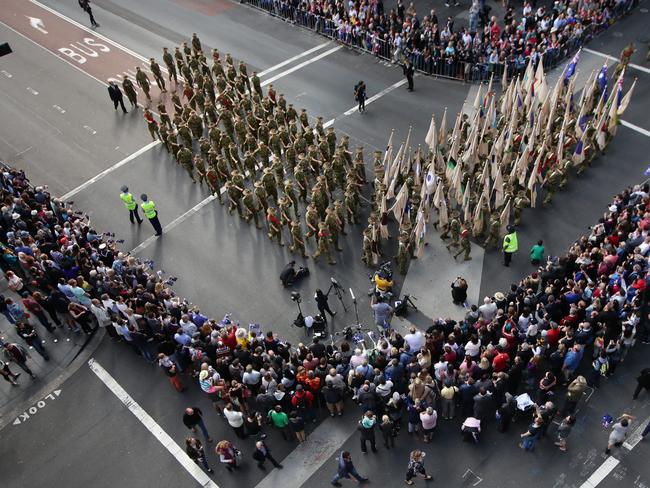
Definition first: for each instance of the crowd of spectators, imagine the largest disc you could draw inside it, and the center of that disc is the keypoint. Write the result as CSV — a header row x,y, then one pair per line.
x,y
437,46
578,315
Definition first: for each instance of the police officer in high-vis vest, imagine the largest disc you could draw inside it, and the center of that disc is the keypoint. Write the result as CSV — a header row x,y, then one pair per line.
x,y
130,204
149,209
510,245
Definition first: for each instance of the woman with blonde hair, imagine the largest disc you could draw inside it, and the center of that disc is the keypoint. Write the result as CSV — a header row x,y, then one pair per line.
x,y
416,467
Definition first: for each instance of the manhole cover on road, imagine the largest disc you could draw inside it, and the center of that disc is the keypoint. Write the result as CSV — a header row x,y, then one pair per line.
x,y
617,34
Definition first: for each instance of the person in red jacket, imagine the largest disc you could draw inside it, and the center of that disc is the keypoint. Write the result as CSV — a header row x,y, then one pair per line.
x,y
35,308
303,402
500,361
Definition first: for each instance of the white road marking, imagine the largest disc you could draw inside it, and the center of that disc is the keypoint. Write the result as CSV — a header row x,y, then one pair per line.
x,y
635,438
37,24
152,426
614,58
117,165
636,128
34,409
373,98
58,108
291,60
90,31
282,74
32,91
323,443
6,73
23,151
601,473
90,129
147,242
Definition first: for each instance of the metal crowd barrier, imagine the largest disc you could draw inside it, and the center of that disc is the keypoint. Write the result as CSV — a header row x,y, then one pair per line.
x,y
439,66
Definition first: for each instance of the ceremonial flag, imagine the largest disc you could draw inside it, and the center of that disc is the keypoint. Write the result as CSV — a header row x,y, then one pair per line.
x,y
498,188
626,99
505,215
420,233
477,101
444,215
571,67
504,79
432,138
602,80
540,87
383,227
400,204
430,180
477,226
442,133
579,152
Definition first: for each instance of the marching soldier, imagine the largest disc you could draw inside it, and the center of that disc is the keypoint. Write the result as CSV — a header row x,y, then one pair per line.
x,y
152,125
269,182
250,208
212,178
261,195
164,116
185,134
184,158
275,227
334,227
494,231
129,91
142,80
199,165
312,219
284,207
552,184
324,243
403,253
196,43
453,227
157,74
234,196
255,80
168,59
195,123
521,202
351,206
290,193
340,213
367,246
297,243
465,245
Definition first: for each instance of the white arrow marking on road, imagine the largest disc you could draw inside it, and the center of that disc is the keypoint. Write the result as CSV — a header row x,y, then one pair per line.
x,y
23,417
37,24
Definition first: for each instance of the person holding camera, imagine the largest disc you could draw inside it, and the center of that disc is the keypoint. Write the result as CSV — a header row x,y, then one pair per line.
x,y
322,304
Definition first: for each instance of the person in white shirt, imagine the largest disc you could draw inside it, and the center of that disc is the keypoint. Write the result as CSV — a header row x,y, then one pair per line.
x,y
235,420
488,310
415,339
473,347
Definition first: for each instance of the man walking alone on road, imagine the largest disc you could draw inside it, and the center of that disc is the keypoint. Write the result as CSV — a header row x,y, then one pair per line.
x,y
409,71
360,95
116,95
85,5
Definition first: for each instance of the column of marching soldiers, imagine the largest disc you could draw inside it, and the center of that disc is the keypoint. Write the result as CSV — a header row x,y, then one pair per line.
x,y
242,134
491,165
496,160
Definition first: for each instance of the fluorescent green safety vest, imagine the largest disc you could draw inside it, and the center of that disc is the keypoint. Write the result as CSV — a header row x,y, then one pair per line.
x,y
510,242
128,200
149,209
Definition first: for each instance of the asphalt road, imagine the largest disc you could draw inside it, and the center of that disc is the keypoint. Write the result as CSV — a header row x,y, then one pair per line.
x,y
225,266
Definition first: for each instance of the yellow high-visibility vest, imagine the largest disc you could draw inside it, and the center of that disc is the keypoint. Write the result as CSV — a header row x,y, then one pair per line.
x,y
149,209
129,201
510,243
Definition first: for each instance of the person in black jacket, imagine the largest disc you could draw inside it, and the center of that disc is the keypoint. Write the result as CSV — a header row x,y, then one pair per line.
x,y
642,381
194,450
321,303
262,453
116,95
409,71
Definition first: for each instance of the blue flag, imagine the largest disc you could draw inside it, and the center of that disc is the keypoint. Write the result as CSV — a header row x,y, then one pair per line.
x,y
571,68
602,81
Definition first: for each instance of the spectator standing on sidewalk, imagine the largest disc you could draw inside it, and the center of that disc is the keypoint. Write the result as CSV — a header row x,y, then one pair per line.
x,y
17,354
194,450
30,336
7,374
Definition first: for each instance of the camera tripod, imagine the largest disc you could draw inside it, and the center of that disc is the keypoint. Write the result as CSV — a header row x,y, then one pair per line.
x,y
338,291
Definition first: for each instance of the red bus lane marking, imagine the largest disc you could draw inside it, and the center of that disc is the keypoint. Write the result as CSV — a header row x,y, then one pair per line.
x,y
79,48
